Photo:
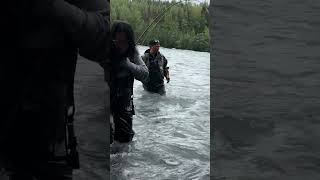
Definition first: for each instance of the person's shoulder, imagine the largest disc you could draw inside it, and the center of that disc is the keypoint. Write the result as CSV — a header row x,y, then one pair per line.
x,y
91,5
161,55
147,51
146,54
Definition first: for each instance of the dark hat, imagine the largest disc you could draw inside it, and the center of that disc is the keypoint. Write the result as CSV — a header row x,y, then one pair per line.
x,y
154,42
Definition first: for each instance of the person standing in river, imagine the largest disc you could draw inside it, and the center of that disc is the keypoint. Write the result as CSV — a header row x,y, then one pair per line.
x,y
157,66
127,65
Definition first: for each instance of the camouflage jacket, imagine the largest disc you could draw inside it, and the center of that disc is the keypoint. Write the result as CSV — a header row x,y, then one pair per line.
x,y
157,65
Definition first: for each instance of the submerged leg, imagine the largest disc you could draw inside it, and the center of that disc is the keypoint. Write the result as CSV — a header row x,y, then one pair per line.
x,y
123,127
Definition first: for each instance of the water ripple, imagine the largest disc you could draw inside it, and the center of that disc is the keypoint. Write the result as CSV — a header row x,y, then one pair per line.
x,y
172,132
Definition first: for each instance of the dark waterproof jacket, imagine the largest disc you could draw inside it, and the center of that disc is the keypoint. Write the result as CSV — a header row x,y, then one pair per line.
x,y
121,84
44,38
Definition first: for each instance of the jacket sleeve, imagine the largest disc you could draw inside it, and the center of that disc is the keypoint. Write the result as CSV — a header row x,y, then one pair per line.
x,y
165,67
139,69
89,30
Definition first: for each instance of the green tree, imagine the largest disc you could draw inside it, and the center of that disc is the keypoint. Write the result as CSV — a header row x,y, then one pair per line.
x,y
184,26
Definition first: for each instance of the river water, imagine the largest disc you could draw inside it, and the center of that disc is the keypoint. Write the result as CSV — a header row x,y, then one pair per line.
x,y
172,138
265,87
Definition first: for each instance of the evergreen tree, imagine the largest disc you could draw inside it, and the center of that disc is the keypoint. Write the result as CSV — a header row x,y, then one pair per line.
x,y
184,26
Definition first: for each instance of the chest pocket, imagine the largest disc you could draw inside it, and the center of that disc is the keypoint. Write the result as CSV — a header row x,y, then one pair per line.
x,y
160,63
155,64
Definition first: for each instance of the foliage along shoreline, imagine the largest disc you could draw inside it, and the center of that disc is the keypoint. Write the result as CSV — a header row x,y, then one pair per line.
x,y
184,25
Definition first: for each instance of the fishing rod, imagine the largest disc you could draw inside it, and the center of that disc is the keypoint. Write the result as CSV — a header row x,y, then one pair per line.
x,y
153,27
158,19
159,16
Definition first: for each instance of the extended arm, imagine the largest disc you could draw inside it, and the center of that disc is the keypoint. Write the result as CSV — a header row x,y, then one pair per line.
x,y
139,69
88,29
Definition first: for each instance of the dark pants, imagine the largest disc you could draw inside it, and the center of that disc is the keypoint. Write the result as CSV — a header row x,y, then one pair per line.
x,y
123,131
159,89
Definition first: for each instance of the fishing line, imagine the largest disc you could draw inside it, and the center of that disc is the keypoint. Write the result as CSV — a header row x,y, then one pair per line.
x,y
158,18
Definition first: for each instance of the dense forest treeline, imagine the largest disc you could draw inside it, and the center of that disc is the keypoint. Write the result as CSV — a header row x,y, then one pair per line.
x,y
183,26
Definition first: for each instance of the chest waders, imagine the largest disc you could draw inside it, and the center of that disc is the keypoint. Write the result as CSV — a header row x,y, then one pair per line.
x,y
122,107
156,75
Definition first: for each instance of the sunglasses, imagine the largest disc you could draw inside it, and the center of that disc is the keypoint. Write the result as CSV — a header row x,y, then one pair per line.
x,y
156,41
